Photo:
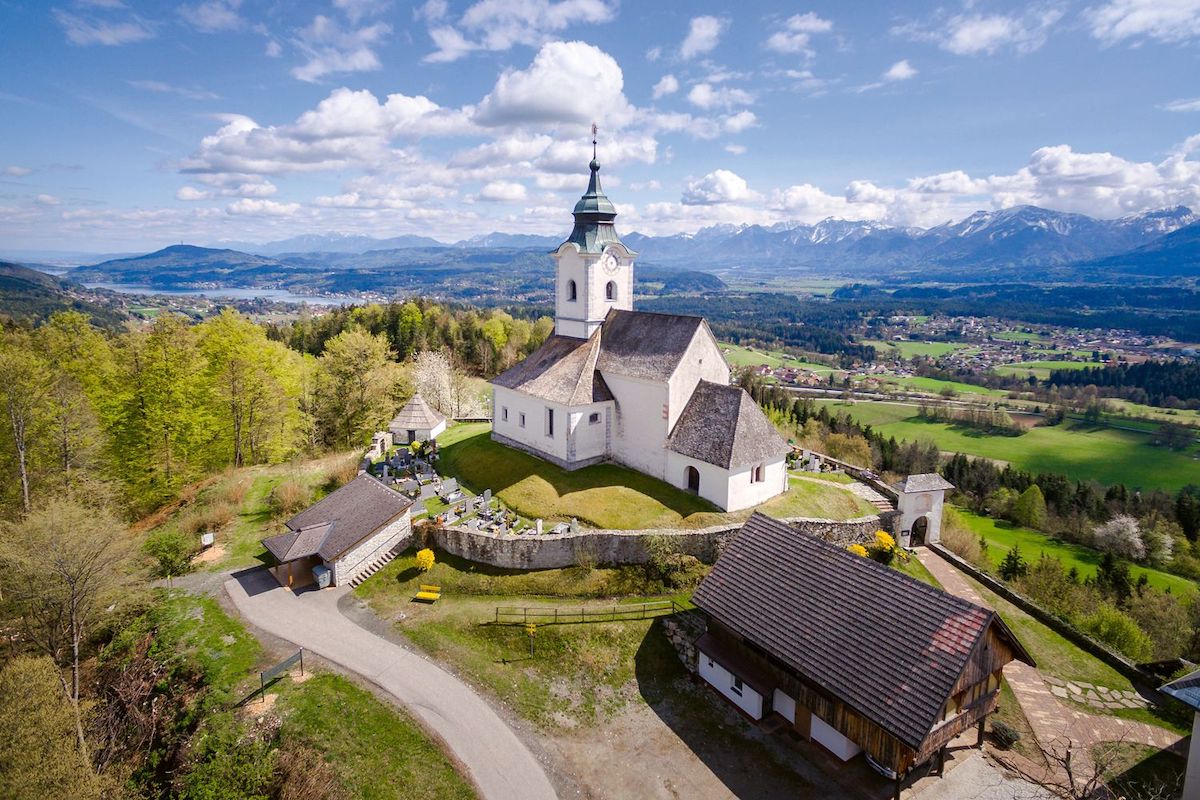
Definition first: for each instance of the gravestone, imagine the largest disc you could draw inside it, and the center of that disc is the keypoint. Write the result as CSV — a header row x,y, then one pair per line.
x,y
537,526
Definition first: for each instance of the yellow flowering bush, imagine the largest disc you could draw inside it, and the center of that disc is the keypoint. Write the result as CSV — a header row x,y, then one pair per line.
x,y
858,550
884,540
884,549
425,560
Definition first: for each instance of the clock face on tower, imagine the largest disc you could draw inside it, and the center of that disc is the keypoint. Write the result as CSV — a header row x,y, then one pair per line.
x,y
609,262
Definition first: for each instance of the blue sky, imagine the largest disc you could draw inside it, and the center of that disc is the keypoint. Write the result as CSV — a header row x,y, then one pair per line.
x,y
131,125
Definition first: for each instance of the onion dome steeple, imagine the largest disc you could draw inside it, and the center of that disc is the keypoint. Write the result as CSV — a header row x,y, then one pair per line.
x,y
594,213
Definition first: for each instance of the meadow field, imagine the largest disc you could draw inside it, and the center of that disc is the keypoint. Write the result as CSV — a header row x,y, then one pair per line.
x,y
1073,448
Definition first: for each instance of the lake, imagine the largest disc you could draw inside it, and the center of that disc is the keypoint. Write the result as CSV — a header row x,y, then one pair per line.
x,y
231,293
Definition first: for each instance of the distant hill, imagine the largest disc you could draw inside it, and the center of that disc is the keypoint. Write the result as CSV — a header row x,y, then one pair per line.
x,y
331,243
183,265
27,295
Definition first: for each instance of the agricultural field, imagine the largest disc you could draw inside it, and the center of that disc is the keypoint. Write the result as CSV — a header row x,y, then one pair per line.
x,y
937,386
609,495
739,356
1002,536
909,350
1073,448
1039,369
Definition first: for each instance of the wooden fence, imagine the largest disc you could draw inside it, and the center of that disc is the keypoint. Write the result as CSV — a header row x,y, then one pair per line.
x,y
518,615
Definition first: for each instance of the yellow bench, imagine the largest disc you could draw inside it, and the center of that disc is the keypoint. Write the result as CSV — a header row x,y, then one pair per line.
x,y
430,593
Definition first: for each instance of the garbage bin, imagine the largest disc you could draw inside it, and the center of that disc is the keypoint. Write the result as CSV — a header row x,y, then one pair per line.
x,y
323,576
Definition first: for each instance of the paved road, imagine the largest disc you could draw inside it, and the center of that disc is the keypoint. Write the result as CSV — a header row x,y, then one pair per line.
x,y
499,764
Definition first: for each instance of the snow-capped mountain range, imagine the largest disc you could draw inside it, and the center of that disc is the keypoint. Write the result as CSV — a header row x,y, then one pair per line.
x,y
1019,237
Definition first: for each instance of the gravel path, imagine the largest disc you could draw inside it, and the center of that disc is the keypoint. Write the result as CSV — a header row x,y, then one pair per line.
x,y
495,759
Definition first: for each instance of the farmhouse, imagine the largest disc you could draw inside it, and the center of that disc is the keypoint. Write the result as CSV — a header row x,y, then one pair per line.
x,y
852,654
343,536
416,422
650,391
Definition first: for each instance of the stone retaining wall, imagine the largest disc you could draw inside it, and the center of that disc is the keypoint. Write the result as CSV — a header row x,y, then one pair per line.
x,y
682,630
556,550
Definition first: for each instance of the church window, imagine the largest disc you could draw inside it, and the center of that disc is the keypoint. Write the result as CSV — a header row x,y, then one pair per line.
x,y
610,291
594,418
550,422
758,476
504,413
572,295
522,420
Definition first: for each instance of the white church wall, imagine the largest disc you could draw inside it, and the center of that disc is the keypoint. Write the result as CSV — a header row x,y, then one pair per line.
x,y
714,481
703,361
508,408
590,438
640,428
744,492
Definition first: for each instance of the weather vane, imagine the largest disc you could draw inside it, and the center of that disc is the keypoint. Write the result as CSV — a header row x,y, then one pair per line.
x,y
594,129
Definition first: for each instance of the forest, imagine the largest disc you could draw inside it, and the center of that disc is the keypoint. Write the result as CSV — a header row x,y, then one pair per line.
x,y
1170,384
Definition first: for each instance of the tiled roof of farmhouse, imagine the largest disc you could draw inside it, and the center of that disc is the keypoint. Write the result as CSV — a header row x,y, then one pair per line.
x,y
340,520
723,426
890,647
562,370
927,482
417,414
642,344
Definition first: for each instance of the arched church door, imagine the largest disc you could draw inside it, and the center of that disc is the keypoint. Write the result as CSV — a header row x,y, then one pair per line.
x,y
919,529
693,479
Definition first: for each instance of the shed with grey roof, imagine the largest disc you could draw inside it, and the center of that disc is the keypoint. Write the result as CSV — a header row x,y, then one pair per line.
x,y
351,531
417,422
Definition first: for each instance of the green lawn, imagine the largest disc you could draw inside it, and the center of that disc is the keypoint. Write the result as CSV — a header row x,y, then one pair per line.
x,y
1040,369
1058,657
739,356
1084,453
606,495
1002,536
373,748
909,350
937,386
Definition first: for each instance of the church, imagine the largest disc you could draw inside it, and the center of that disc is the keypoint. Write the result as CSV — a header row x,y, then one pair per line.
x,y
649,391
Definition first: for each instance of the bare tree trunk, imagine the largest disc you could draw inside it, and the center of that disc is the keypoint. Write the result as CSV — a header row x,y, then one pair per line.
x,y
18,428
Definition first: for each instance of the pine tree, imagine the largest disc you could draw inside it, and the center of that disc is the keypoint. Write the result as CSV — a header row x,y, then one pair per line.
x,y
1013,565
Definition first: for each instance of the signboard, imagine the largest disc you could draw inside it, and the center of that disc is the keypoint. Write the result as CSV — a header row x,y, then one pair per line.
x,y
283,666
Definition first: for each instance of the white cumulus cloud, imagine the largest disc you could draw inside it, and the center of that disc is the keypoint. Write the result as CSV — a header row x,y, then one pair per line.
x,y
796,33
1163,20
900,71
499,25
704,33
503,192
668,84
718,186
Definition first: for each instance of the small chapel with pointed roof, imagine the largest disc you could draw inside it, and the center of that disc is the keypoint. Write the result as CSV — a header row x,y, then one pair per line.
x,y
649,391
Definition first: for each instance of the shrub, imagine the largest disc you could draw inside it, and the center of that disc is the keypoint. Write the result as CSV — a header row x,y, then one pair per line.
x,y
1056,589
425,560
1029,509
1110,625
858,550
1165,619
959,539
235,491
1121,537
173,550
883,549
289,497
226,761
340,474
1004,734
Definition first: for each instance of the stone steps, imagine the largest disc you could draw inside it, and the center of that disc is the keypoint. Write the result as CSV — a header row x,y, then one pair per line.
x,y
374,567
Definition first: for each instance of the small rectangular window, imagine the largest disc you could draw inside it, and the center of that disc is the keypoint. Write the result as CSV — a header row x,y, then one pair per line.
x,y
593,418
736,686
522,421
550,422
504,413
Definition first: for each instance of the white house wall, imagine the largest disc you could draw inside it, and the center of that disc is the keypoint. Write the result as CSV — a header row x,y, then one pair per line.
x,y
640,428
785,705
390,538
721,679
833,741
914,505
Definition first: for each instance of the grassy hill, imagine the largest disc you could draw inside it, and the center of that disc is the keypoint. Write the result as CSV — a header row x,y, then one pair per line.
x,y
27,295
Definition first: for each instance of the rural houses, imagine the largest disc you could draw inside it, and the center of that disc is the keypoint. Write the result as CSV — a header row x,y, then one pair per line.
x,y
852,654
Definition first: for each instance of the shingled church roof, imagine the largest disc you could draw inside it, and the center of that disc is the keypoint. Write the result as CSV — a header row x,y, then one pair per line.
x,y
723,426
340,520
562,370
643,344
890,647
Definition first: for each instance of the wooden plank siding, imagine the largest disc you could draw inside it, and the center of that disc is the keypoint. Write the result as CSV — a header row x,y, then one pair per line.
x,y
975,695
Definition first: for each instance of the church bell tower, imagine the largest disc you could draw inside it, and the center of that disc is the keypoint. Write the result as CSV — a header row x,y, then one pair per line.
x,y
594,270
